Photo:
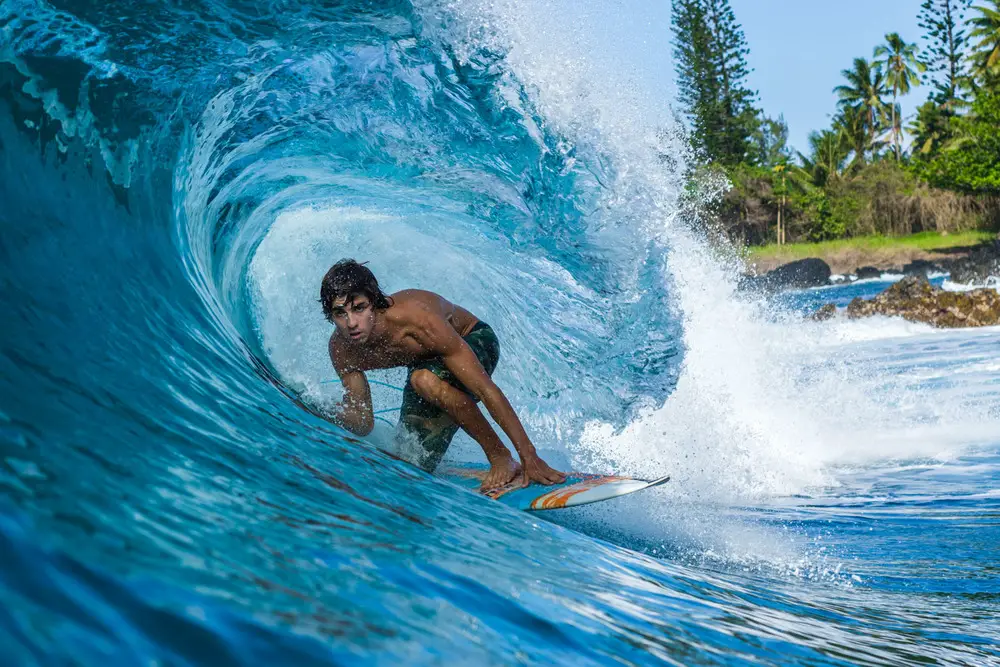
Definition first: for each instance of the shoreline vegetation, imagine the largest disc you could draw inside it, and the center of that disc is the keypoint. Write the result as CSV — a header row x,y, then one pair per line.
x,y
873,188
844,256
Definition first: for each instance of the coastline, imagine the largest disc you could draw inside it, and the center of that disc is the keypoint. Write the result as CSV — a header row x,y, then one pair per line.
x,y
847,255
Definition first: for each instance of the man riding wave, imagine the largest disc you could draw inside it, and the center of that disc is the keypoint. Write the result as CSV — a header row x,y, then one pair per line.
x,y
451,356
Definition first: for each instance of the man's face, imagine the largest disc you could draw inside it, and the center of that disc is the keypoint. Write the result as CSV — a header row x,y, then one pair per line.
x,y
354,318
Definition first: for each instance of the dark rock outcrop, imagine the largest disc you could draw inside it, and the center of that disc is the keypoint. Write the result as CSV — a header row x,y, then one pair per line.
x,y
916,300
800,274
977,266
921,268
868,272
826,312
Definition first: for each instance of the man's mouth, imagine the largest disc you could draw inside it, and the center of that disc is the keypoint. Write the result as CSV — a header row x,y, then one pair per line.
x,y
355,334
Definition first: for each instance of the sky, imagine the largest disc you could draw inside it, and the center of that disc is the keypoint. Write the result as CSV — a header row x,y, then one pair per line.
x,y
799,47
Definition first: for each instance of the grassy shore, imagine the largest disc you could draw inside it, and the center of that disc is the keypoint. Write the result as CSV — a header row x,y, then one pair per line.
x,y
846,255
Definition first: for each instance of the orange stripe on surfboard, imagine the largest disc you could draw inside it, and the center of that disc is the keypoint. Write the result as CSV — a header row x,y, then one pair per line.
x,y
557,499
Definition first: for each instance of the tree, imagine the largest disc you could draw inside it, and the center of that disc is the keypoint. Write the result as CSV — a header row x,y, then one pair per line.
x,y
899,61
944,54
971,163
852,124
770,142
828,151
986,56
931,129
862,108
737,100
697,78
710,58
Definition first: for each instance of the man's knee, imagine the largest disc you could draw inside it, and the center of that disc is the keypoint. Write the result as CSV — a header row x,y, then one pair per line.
x,y
424,382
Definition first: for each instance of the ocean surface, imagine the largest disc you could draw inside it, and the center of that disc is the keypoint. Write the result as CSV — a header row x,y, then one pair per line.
x,y
176,177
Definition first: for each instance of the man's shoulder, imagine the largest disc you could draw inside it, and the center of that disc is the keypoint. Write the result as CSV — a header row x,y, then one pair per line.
x,y
414,305
415,297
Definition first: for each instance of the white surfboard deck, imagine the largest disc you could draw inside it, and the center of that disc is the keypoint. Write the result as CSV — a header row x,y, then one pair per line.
x,y
578,489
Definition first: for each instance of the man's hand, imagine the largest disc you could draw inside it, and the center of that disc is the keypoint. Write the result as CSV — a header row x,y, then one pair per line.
x,y
534,469
501,472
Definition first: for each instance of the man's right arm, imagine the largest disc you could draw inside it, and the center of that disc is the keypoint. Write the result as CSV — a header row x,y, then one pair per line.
x,y
355,412
355,408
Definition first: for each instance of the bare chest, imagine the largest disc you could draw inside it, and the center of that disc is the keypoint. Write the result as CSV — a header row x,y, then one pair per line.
x,y
391,354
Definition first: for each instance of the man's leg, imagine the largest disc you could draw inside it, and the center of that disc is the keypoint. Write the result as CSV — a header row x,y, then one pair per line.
x,y
463,411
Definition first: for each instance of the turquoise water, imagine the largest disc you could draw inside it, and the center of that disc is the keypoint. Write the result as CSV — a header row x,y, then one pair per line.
x,y
175,178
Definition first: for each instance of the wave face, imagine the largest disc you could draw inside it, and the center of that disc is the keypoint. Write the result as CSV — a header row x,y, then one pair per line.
x,y
175,179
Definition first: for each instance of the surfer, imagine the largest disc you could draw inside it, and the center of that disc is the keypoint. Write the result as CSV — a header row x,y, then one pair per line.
x,y
450,355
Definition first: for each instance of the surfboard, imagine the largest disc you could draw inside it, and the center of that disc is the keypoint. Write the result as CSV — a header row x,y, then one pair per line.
x,y
580,488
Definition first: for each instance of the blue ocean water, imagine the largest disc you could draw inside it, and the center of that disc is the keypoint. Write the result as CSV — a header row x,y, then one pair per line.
x,y
174,180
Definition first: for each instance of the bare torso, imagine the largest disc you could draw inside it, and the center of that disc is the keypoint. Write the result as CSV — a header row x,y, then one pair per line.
x,y
395,342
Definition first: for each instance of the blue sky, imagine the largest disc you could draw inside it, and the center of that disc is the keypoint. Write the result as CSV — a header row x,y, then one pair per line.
x,y
799,47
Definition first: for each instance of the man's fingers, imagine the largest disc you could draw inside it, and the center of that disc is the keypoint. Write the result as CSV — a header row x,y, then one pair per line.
x,y
551,477
554,476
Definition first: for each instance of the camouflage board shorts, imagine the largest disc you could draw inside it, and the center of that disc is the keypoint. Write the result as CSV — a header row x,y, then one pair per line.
x,y
431,425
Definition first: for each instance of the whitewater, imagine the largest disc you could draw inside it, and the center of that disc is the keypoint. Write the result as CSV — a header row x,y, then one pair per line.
x,y
175,178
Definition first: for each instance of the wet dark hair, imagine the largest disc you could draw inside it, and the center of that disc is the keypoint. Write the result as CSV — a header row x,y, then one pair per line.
x,y
347,279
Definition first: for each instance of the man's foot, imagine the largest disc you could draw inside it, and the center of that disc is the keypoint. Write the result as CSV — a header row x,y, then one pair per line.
x,y
501,472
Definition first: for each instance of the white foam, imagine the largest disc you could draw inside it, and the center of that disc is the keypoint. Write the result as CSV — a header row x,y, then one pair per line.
x,y
992,282
761,407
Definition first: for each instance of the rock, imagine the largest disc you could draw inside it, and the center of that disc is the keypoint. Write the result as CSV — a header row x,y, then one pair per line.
x,y
916,300
921,268
868,272
800,274
977,266
825,313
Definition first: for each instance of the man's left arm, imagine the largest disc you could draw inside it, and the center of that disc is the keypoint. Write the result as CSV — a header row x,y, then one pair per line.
x,y
443,340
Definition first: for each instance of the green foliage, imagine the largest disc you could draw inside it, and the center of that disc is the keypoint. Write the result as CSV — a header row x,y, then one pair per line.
x,y
710,58
736,104
698,86
770,142
863,109
944,56
931,129
986,53
899,60
829,150
849,184
971,161
921,241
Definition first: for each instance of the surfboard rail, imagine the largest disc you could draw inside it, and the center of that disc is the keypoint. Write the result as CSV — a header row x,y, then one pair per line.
x,y
578,489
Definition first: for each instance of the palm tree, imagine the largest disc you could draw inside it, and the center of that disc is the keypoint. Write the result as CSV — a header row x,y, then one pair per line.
x,y
986,59
863,93
828,152
852,124
931,128
899,60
